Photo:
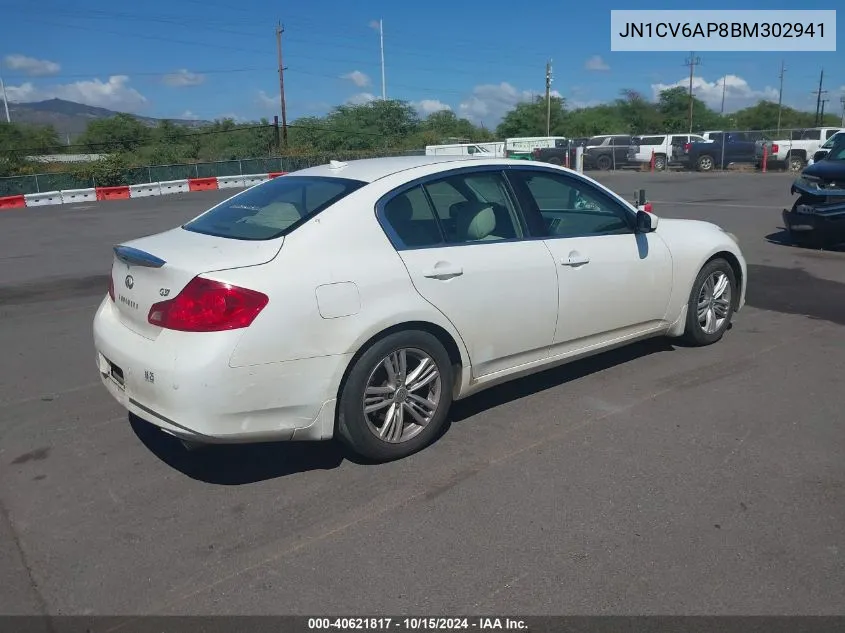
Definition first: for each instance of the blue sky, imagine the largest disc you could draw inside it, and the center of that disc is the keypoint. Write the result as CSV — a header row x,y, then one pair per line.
x,y
208,59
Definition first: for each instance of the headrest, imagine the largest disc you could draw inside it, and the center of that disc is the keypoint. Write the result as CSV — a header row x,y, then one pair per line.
x,y
399,209
475,222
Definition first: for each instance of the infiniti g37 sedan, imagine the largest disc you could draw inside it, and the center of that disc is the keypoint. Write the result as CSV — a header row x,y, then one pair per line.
x,y
359,300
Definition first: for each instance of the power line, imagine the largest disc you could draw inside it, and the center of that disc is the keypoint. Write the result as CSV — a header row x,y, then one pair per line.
x,y
692,62
780,92
819,94
279,30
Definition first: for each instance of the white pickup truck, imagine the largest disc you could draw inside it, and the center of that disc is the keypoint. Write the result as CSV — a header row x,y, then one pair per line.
x,y
795,151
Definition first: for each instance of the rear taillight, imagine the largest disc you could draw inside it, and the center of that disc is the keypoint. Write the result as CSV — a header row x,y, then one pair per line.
x,y
111,287
536,152
205,305
647,207
687,147
775,148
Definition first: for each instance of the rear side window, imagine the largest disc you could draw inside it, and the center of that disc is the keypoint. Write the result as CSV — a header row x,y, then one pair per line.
x,y
273,209
652,140
411,218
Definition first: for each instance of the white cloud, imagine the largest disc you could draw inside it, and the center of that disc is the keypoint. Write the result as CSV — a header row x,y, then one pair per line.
x,y
187,114
267,102
114,94
430,106
358,78
31,66
596,63
490,102
738,93
361,98
183,78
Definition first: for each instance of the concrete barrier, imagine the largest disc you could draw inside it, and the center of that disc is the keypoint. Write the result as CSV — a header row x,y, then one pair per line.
x,y
43,199
145,190
113,193
12,202
230,182
255,179
70,196
202,184
173,186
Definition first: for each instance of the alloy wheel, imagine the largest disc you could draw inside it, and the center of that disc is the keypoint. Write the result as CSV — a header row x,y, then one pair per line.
x,y
714,302
402,395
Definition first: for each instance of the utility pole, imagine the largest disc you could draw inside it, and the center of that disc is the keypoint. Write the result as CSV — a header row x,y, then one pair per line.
x,y
724,87
548,97
5,100
279,30
692,62
842,101
381,46
819,94
821,117
780,93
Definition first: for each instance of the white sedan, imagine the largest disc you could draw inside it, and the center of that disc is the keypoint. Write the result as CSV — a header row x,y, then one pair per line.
x,y
358,300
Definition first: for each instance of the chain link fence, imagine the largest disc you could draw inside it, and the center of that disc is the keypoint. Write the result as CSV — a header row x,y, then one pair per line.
x,y
38,183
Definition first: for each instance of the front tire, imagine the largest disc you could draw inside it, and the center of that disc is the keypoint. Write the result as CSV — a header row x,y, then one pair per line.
x,y
711,303
604,163
396,397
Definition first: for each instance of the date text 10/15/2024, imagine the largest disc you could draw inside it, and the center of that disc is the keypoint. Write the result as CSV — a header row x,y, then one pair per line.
x,y
418,624
723,30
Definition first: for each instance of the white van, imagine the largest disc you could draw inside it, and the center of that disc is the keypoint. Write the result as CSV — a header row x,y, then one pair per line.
x,y
491,150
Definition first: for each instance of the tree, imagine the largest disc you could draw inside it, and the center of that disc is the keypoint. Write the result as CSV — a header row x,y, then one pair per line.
x,y
122,132
673,105
528,118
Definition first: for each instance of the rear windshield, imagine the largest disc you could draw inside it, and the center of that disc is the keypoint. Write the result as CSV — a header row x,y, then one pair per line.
x,y
274,208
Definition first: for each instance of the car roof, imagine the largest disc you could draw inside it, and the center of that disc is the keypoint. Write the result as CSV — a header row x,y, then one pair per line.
x,y
372,169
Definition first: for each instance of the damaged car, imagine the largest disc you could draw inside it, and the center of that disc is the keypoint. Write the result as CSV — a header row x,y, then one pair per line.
x,y
817,219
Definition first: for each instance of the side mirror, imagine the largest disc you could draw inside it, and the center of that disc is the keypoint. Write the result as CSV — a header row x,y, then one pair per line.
x,y
646,222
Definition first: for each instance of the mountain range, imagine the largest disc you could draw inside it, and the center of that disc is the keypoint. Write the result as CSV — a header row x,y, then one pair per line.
x,y
70,118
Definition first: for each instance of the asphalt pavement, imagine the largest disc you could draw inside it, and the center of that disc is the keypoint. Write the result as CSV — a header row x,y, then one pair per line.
x,y
656,479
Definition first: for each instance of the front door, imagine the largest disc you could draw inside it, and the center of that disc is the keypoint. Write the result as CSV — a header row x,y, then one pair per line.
x,y
463,245
614,282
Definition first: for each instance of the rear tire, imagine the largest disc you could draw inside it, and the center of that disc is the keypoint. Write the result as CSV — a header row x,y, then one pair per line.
x,y
711,303
705,163
604,163
659,162
796,163
387,411
554,160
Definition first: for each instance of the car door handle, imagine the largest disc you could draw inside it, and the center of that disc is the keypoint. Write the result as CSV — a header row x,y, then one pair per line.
x,y
443,271
575,259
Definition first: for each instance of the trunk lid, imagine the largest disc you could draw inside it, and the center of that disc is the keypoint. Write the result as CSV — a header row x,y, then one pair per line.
x,y
156,268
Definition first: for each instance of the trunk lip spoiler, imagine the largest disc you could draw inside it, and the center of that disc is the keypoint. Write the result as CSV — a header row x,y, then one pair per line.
x,y
137,257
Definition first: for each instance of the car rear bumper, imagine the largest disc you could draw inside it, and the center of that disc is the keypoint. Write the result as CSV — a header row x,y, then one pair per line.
x,y
189,389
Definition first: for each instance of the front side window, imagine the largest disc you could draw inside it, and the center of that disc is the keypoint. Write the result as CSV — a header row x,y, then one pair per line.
x,y
273,209
570,207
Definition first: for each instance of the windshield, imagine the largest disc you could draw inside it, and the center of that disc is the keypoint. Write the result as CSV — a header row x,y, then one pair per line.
x,y
837,152
274,208
833,140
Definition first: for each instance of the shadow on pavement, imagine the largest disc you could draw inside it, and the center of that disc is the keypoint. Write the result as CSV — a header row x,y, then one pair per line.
x,y
795,291
237,464
536,383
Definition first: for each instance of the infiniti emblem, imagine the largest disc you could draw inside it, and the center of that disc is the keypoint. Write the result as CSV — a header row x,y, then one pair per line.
x,y
129,281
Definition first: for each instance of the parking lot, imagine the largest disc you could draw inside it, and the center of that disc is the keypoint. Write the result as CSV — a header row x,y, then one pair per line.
x,y
656,479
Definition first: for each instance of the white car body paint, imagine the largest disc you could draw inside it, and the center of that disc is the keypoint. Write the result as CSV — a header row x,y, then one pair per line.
x,y
337,281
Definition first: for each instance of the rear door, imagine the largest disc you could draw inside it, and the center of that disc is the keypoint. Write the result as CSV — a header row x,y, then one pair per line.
x,y
466,250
